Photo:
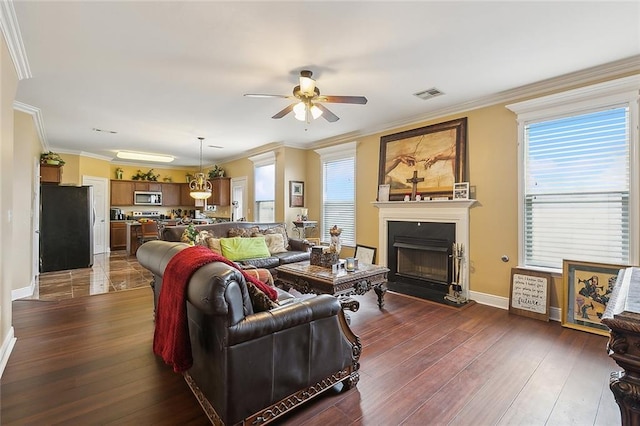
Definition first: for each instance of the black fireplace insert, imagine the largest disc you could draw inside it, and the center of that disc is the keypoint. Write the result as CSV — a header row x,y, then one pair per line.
x,y
419,258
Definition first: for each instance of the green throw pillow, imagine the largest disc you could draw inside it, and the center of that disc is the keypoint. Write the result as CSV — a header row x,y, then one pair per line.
x,y
239,248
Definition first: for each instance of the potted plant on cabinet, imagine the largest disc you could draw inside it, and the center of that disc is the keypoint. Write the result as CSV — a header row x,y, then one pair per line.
x,y
51,158
217,171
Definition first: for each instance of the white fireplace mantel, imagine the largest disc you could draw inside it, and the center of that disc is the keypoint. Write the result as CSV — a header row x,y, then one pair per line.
x,y
445,211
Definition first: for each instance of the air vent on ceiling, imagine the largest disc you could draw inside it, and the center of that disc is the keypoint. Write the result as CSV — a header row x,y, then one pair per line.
x,y
428,94
95,129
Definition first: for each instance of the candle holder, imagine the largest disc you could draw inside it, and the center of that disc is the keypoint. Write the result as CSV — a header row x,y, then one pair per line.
x,y
351,264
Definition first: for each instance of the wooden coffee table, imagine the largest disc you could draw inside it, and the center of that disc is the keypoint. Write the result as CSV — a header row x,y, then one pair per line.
x,y
307,278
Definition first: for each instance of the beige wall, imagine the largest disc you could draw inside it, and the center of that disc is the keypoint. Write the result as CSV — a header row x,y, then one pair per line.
x,y
27,149
293,163
492,173
8,253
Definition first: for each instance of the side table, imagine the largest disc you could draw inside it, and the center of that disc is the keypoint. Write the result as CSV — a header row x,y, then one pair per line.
x,y
302,225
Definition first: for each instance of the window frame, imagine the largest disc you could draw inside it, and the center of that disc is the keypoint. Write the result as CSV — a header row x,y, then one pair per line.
x,y
336,153
623,91
262,160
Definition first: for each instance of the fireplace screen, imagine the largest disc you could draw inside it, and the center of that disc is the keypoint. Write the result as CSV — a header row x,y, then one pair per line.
x,y
422,262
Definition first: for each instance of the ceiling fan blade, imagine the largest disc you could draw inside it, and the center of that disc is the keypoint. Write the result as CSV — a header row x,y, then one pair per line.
x,y
262,95
284,112
328,115
360,100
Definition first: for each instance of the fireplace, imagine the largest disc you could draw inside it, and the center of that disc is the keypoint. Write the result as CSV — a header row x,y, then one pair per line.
x,y
419,258
416,242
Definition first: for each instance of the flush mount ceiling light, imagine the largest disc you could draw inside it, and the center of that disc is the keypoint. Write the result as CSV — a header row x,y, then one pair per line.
x,y
141,156
199,185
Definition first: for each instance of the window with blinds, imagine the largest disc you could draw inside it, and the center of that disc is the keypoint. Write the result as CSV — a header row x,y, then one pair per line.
x,y
339,193
576,201
265,192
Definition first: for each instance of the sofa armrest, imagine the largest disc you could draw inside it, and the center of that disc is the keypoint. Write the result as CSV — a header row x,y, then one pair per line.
x,y
297,244
287,316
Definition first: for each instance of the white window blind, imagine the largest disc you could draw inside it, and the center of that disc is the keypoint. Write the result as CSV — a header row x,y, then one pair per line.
x,y
339,191
576,188
265,192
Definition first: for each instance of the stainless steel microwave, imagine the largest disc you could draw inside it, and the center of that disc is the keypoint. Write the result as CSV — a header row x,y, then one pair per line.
x,y
147,198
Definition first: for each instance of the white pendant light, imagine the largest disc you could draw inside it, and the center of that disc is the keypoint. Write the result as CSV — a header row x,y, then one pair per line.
x,y
199,185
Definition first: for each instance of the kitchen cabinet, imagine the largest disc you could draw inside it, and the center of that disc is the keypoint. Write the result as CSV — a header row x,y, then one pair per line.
x,y
185,198
121,193
171,194
221,191
50,173
147,186
118,236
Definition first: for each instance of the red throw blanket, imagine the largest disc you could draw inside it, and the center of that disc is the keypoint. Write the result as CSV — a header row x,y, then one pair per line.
x,y
171,336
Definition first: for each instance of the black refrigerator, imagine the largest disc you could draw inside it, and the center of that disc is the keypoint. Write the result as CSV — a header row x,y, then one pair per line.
x,y
66,227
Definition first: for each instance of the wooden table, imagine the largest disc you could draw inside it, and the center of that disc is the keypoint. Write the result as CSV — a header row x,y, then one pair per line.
x,y
622,316
307,278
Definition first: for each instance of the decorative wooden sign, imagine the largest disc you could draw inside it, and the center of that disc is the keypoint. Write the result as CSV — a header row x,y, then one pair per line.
x,y
530,293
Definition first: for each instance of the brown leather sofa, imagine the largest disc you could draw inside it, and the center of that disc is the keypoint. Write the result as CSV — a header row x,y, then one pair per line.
x,y
248,367
298,249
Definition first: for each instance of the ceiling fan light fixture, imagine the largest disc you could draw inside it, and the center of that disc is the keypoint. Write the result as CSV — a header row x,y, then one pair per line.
x,y
300,111
315,112
307,86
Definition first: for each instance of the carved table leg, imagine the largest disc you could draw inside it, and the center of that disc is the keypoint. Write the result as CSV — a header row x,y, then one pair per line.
x,y
627,395
380,291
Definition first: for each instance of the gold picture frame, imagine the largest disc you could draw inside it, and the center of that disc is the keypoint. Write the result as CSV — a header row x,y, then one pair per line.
x,y
431,159
586,290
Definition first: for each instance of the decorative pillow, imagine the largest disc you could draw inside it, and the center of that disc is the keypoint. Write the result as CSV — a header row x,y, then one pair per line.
x,y
278,230
202,237
275,243
242,232
261,274
239,248
214,245
259,300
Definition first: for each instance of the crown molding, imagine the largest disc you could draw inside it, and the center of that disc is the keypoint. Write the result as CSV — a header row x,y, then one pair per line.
x,y
588,76
13,37
38,121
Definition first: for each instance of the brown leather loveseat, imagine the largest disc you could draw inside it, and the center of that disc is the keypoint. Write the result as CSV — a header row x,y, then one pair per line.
x,y
248,367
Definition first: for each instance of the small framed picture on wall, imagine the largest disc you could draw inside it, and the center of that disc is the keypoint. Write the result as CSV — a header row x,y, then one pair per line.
x,y
296,193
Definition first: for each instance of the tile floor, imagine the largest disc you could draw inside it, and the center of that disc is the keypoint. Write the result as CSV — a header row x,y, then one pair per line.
x,y
113,271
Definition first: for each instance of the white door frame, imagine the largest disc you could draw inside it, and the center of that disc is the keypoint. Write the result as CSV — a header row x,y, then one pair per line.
x,y
239,186
100,205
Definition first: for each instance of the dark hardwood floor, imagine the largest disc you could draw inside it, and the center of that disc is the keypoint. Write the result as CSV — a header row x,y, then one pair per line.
x,y
88,360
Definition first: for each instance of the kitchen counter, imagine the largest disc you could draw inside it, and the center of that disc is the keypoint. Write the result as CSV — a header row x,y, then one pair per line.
x,y
133,231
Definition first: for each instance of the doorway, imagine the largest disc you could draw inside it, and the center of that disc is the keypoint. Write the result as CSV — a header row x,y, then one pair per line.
x,y
101,210
239,199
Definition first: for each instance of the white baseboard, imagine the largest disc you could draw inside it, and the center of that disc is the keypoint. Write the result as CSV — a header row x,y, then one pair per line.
x,y
5,351
23,292
503,303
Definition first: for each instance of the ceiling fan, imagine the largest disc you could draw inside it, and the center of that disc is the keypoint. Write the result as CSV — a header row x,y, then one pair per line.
x,y
307,100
